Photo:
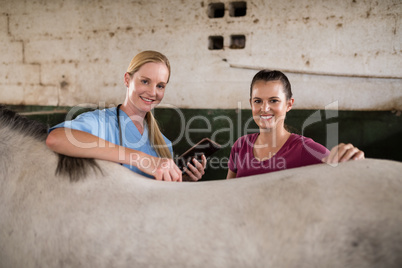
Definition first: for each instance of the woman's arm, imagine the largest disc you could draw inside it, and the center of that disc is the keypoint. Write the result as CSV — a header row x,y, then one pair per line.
x,y
78,143
231,175
342,153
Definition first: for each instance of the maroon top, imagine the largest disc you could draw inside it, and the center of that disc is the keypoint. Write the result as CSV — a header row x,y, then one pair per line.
x,y
298,151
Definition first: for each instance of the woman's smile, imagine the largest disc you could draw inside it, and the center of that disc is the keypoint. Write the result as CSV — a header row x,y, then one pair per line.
x,y
268,103
266,117
146,100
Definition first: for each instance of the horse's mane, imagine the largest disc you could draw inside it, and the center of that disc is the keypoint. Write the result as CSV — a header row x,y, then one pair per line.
x,y
75,168
22,125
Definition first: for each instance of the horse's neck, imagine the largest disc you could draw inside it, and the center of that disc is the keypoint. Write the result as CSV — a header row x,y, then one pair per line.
x,y
22,153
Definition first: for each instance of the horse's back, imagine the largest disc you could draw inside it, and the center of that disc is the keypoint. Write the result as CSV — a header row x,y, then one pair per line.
x,y
317,216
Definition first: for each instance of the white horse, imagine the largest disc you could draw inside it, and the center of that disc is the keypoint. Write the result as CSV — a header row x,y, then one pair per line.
x,y
316,216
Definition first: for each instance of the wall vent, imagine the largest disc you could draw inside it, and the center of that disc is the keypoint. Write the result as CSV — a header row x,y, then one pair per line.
x,y
216,10
237,9
215,42
237,41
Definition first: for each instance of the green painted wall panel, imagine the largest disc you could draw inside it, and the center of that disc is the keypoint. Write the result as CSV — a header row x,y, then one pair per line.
x,y
377,133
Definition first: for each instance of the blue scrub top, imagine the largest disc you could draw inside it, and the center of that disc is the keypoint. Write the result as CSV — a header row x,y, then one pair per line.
x,y
103,124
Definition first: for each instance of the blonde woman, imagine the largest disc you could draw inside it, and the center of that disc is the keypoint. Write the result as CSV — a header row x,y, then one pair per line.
x,y
128,134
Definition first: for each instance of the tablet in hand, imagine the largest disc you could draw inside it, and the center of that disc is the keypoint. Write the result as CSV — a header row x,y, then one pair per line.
x,y
204,147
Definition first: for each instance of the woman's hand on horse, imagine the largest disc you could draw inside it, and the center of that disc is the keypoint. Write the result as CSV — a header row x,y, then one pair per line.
x,y
342,153
165,169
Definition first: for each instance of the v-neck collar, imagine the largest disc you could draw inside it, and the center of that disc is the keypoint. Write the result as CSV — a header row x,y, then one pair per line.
x,y
132,138
277,153
132,126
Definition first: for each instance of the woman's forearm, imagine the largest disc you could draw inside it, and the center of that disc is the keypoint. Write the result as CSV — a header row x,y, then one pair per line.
x,y
78,143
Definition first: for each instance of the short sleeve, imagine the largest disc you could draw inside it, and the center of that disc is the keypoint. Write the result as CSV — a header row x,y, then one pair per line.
x,y
87,122
232,158
312,152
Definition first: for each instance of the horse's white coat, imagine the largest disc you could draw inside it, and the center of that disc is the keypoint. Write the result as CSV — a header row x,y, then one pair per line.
x,y
317,216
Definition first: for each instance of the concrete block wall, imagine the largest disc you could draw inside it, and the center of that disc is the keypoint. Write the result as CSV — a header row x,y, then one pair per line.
x,y
69,52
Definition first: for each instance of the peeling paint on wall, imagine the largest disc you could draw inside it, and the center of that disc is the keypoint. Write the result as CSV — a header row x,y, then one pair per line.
x,y
70,52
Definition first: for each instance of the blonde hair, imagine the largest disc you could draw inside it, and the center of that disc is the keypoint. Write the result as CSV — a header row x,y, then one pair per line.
x,y
155,136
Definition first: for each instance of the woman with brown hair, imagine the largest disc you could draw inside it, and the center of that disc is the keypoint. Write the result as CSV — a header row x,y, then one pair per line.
x,y
274,148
